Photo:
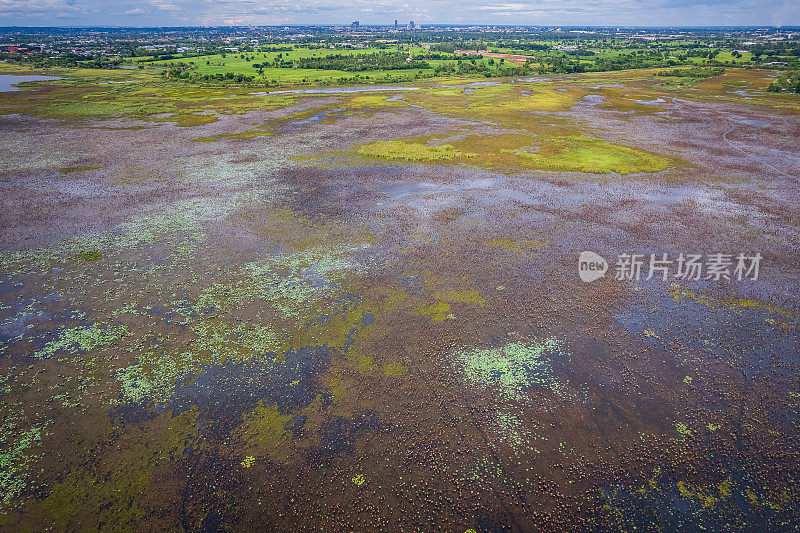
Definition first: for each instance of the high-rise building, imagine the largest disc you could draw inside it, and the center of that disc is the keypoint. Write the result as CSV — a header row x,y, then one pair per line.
x,y
354,25
395,23
411,25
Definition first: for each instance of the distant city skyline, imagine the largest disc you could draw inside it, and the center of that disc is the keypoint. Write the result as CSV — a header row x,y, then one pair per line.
x,y
653,13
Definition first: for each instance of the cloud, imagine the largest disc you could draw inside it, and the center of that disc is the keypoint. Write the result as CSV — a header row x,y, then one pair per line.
x,y
268,12
24,8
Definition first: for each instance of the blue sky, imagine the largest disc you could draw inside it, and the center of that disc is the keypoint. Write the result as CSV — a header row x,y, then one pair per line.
x,y
269,12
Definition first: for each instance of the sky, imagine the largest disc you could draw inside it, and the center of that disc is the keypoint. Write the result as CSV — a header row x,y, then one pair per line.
x,y
279,12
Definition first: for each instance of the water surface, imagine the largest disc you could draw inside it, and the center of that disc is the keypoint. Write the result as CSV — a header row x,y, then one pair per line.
x,y
8,81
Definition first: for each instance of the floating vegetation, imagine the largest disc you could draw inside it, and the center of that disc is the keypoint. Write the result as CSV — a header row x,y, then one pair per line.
x,y
82,339
437,311
261,131
708,498
514,367
678,293
521,436
683,430
679,504
112,493
394,369
16,456
188,120
264,432
524,247
582,154
88,255
523,151
410,151
70,170
359,479
460,296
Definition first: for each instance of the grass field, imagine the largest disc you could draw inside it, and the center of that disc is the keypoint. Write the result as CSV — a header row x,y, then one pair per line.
x,y
235,63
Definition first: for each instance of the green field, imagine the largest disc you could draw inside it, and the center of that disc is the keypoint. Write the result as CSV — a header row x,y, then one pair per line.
x,y
242,63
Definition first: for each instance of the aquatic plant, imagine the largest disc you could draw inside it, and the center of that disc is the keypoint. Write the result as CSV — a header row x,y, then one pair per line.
x,y
583,154
514,367
394,369
82,338
16,456
410,151
70,170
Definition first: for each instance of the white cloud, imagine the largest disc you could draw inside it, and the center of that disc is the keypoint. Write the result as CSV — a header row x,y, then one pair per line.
x,y
266,12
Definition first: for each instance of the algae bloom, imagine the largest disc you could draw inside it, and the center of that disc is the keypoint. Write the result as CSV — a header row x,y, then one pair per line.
x,y
515,367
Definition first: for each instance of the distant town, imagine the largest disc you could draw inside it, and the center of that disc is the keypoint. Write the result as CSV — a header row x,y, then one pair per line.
x,y
108,47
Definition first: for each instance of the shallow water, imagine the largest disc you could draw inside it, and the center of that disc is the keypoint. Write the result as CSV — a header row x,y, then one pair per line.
x,y
335,90
319,117
473,84
760,123
8,81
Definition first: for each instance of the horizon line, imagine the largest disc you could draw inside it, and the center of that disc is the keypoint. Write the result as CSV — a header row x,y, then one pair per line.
x,y
429,24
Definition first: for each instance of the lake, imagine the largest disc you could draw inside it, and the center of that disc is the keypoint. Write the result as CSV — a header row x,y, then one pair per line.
x,y
7,81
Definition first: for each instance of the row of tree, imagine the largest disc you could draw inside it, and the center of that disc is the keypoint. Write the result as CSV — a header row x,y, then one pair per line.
x,y
351,62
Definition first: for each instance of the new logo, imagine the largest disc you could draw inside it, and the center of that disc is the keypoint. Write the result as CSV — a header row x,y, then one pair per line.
x,y
591,266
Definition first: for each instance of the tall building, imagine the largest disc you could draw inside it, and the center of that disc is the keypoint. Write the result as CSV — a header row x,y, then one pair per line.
x,y
395,23
411,25
354,25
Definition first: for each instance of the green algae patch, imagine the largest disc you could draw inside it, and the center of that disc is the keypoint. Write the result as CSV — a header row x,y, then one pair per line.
x,y
583,154
506,104
514,367
362,362
248,134
148,94
683,430
18,446
299,232
299,297
188,120
81,339
437,311
337,390
524,247
394,369
782,318
70,170
87,256
519,151
264,433
706,496
265,424
110,490
461,296
410,151
156,372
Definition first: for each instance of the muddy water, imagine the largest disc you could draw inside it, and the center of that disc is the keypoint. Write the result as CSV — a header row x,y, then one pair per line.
x,y
272,333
